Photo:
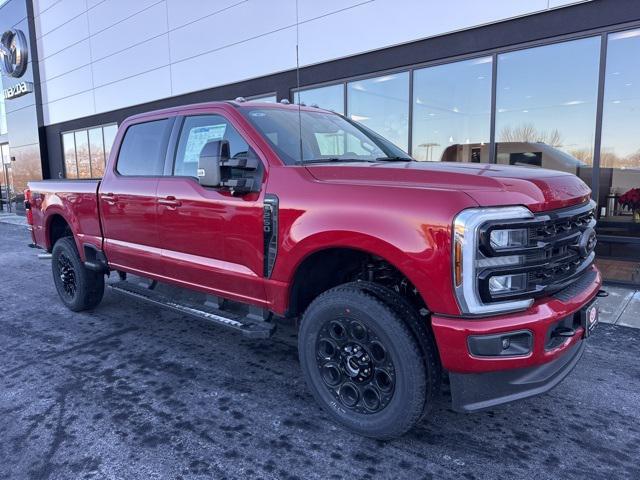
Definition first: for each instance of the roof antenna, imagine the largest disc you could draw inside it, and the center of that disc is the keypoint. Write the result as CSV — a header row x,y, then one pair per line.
x,y
298,80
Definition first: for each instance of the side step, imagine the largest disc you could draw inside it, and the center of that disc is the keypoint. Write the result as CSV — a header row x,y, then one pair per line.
x,y
248,325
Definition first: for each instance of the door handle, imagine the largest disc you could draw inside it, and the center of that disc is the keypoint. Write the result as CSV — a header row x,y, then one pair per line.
x,y
110,198
170,201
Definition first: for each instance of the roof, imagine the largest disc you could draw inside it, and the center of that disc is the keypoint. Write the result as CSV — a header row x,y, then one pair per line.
x,y
224,104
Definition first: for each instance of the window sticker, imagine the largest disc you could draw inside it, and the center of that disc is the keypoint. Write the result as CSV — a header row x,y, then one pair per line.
x,y
198,137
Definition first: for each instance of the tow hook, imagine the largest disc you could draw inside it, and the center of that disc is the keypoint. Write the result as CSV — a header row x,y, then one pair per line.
x,y
602,293
564,332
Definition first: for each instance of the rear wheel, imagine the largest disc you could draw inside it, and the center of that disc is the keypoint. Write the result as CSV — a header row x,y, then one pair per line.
x,y
363,363
79,288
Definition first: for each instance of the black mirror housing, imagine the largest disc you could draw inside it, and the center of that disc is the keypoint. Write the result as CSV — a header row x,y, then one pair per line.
x,y
212,156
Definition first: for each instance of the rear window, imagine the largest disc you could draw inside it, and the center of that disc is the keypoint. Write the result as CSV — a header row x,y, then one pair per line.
x,y
143,149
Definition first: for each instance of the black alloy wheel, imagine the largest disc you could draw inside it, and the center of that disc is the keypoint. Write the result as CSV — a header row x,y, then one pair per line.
x,y
67,275
355,365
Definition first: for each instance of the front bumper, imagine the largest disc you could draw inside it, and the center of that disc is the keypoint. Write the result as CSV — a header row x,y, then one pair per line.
x,y
481,382
471,392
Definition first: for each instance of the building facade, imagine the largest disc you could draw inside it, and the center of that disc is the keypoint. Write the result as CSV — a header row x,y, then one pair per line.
x,y
546,83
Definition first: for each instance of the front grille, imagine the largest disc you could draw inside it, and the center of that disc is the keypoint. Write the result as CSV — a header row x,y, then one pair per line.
x,y
556,255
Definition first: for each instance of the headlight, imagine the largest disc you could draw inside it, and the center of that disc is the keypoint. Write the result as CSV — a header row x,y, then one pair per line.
x,y
509,238
468,259
500,284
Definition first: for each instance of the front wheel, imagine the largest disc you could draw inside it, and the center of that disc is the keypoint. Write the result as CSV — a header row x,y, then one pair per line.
x,y
79,288
363,363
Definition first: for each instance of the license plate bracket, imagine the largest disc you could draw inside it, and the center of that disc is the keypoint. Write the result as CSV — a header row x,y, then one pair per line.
x,y
589,317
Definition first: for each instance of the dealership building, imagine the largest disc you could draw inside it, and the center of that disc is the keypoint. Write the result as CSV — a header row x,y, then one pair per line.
x,y
541,83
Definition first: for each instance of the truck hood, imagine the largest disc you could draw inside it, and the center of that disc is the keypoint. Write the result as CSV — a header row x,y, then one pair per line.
x,y
487,184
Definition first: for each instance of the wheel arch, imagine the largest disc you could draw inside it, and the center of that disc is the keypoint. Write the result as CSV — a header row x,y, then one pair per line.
x,y
345,261
57,227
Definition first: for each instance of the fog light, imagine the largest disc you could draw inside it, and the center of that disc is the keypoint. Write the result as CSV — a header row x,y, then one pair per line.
x,y
499,284
511,344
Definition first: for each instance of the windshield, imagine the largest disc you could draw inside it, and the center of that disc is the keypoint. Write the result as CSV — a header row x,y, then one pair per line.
x,y
320,137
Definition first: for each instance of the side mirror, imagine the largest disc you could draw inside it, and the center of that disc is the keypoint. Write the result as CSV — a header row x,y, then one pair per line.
x,y
212,156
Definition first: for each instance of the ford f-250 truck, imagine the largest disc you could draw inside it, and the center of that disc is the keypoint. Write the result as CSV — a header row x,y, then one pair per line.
x,y
403,273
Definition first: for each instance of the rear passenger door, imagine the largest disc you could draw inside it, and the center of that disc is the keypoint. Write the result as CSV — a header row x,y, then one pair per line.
x,y
127,198
211,240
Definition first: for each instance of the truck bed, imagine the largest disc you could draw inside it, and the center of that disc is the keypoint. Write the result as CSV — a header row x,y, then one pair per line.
x,y
74,200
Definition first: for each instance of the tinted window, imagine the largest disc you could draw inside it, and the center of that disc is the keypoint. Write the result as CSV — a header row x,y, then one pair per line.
x,y
199,130
143,149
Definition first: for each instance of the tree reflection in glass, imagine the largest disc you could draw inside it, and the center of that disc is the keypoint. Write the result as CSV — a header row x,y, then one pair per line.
x,y
546,106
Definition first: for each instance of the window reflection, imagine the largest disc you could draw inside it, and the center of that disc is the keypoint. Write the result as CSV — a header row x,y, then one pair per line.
x,y
382,104
109,134
620,155
546,106
452,111
3,114
86,151
330,98
270,98
69,148
96,147
82,154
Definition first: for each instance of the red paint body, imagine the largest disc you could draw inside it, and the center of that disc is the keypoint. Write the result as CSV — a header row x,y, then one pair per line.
x,y
402,212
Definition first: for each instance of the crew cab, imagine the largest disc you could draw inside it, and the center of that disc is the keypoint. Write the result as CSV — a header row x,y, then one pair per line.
x,y
403,274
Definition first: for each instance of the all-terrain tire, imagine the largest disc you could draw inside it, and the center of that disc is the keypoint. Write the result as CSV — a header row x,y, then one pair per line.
x,y
349,305
79,288
421,331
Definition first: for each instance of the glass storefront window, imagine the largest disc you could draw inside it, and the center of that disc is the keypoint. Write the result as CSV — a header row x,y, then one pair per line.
x,y
382,104
546,106
82,154
69,149
620,157
452,111
109,133
86,151
270,98
3,114
96,147
330,98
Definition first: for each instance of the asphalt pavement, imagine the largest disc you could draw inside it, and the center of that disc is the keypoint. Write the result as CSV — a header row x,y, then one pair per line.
x,y
131,391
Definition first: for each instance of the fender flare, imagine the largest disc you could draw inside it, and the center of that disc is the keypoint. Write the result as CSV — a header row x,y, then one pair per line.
x,y
327,240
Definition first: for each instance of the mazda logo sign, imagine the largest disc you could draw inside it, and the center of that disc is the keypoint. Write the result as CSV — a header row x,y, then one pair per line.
x,y
13,53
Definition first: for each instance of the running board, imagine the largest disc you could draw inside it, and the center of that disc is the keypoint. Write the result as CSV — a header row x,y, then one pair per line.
x,y
248,325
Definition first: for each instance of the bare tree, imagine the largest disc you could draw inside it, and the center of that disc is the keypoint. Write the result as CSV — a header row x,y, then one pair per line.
x,y
528,133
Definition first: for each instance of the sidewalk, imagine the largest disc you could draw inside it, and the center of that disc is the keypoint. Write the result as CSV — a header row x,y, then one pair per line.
x,y
621,307
13,219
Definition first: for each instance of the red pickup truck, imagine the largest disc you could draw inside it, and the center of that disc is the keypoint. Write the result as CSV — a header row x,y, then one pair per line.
x,y
403,274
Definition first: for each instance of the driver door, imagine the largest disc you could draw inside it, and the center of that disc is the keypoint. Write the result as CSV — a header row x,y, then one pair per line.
x,y
211,240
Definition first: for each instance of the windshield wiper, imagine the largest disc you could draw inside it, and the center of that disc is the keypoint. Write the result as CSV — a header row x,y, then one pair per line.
x,y
394,159
338,159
